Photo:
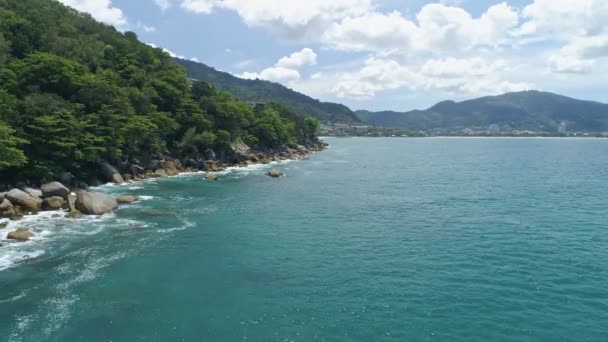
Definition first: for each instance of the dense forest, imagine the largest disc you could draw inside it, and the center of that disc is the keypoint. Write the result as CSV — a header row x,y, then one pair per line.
x,y
265,91
75,92
526,110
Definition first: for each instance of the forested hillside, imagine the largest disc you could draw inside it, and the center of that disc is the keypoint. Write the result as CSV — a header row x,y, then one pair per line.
x,y
75,92
265,91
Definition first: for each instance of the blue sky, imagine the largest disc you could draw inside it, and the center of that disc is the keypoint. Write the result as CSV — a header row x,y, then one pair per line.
x,y
383,54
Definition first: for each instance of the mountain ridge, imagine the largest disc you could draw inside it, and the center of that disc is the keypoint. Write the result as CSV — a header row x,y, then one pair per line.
x,y
266,91
527,110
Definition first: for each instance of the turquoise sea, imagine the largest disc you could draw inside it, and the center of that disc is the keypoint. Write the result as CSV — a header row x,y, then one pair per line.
x,y
436,239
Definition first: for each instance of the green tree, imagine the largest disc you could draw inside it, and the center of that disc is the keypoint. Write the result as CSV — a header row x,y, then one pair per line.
x,y
10,154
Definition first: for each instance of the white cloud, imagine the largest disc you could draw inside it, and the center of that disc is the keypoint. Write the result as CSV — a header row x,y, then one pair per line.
x,y
101,10
287,69
474,76
579,25
438,28
199,6
164,4
146,28
296,20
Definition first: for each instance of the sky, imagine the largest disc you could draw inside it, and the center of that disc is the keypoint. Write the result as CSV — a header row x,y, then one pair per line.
x,y
383,54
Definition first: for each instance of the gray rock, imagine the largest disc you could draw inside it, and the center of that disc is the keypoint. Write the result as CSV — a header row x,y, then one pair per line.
x,y
111,173
24,200
5,205
127,199
95,203
6,208
275,173
33,192
54,189
160,173
137,170
72,202
53,203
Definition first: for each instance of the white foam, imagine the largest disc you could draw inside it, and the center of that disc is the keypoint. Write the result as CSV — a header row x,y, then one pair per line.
x,y
12,256
145,198
186,225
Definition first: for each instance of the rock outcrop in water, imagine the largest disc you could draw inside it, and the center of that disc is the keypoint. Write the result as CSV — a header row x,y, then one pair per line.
x,y
21,234
275,173
95,203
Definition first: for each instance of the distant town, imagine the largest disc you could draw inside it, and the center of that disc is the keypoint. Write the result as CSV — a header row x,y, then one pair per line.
x,y
493,130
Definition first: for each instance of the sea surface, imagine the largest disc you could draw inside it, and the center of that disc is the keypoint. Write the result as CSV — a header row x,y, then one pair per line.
x,y
435,239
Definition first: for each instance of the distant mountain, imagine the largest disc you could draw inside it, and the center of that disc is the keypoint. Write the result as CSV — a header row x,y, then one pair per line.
x,y
265,91
528,110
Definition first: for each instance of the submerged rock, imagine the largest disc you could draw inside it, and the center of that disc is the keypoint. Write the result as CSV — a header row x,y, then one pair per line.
x,y
21,234
275,173
211,177
74,214
24,200
127,199
95,203
53,203
54,189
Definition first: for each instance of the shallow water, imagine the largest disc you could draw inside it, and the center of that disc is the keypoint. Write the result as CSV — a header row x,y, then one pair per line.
x,y
373,240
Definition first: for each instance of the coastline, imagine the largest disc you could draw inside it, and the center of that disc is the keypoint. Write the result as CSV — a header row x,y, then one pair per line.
x,y
41,223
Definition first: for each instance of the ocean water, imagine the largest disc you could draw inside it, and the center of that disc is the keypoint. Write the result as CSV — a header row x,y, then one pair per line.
x,y
372,240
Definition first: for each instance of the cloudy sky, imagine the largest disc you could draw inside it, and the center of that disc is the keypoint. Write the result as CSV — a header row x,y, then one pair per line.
x,y
383,54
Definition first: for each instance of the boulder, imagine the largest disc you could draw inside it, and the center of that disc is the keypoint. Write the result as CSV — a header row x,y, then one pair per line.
x,y
137,170
275,173
33,192
52,203
6,208
160,173
127,199
127,177
21,234
170,168
5,205
72,201
24,200
95,203
211,177
2,195
54,189
111,174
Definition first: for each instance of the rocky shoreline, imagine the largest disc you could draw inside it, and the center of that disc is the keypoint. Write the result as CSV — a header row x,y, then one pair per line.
x,y
68,195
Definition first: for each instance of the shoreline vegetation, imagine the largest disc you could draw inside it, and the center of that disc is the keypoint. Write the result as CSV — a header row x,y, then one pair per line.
x,y
82,103
73,199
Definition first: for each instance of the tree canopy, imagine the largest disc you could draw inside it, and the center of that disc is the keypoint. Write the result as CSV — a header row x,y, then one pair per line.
x,y
74,92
